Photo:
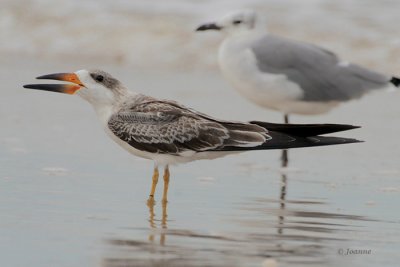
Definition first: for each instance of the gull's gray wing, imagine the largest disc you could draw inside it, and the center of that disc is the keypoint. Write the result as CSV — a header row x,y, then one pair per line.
x,y
317,71
166,127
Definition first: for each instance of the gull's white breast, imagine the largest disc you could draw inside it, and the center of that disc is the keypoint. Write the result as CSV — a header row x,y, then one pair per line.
x,y
274,91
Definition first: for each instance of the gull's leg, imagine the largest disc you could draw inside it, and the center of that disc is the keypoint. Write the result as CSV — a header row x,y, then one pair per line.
x,y
150,201
166,183
285,157
286,118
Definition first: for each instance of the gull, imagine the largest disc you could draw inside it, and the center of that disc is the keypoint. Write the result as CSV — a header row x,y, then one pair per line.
x,y
168,133
285,75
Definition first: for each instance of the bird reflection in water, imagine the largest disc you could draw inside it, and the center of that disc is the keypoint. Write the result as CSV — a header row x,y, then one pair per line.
x,y
153,221
282,197
304,235
282,205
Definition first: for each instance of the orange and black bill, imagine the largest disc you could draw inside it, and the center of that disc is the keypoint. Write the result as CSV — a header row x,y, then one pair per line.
x,y
59,88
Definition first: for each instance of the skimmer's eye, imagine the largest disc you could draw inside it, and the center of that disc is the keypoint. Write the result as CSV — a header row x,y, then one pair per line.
x,y
99,78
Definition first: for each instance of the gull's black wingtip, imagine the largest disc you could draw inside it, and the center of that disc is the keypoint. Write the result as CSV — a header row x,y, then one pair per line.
x,y
395,81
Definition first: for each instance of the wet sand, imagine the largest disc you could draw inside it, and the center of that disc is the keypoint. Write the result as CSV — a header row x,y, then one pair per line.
x,y
71,197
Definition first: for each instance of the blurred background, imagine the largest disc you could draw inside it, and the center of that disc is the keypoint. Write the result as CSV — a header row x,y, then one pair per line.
x,y
160,34
69,196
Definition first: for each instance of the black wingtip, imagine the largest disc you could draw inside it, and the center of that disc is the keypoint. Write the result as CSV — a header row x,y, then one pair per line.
x,y
345,127
332,140
306,129
351,141
395,81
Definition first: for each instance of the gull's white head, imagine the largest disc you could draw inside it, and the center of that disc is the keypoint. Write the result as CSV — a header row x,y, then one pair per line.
x,y
233,23
95,86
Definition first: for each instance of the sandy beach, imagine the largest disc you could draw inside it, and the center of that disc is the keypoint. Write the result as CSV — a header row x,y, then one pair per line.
x,y
71,197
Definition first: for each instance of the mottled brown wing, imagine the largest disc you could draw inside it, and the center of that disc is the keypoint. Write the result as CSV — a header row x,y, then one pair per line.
x,y
160,127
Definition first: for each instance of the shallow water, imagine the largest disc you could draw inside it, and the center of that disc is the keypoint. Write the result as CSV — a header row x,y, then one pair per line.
x,y
71,197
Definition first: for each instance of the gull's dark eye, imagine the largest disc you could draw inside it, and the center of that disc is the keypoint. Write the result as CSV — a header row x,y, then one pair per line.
x,y
99,78
236,22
